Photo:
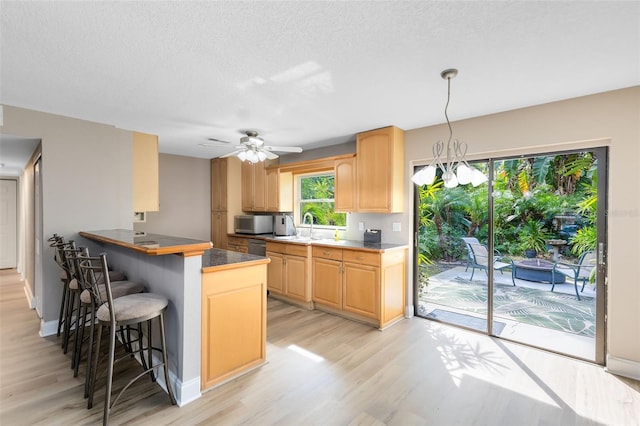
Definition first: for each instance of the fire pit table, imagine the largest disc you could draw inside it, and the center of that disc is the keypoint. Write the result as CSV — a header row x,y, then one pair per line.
x,y
538,270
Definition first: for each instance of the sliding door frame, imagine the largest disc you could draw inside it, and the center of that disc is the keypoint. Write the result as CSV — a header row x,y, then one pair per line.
x,y
602,155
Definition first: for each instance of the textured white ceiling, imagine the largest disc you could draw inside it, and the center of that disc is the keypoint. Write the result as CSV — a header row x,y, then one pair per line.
x,y
306,73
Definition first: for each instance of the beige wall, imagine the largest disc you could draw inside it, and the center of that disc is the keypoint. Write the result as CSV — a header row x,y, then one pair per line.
x,y
86,182
613,118
185,199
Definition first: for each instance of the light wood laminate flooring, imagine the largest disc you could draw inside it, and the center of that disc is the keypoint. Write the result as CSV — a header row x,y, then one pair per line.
x,y
325,370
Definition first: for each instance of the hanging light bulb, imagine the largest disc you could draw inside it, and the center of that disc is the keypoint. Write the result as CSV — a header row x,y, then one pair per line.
x,y
477,177
261,156
455,170
464,173
424,176
242,155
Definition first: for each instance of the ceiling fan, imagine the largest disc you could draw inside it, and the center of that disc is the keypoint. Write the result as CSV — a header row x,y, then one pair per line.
x,y
253,149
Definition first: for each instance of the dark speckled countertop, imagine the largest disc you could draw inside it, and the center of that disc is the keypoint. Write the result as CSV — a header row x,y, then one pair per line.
x,y
217,258
327,242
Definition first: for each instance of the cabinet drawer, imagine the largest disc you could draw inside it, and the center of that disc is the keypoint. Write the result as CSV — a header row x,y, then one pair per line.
x,y
296,249
327,253
276,247
237,241
361,257
239,249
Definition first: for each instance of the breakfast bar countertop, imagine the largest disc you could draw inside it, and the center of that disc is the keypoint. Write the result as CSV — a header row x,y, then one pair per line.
x,y
150,244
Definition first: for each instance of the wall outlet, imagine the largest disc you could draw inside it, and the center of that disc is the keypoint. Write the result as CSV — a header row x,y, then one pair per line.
x,y
360,226
397,227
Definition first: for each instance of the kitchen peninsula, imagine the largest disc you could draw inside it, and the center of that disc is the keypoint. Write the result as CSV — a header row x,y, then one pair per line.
x,y
212,295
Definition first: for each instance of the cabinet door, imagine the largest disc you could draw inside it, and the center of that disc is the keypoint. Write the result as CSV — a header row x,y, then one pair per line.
x,y
215,184
234,322
219,184
361,290
254,187
296,277
219,230
247,186
380,171
259,187
273,190
345,192
275,272
327,282
146,178
279,186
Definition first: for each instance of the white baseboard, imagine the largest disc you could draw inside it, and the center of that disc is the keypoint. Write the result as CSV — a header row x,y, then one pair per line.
x,y
623,367
31,300
188,391
48,328
408,311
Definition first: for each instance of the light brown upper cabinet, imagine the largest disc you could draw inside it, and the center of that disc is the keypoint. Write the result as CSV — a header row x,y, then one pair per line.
x,y
219,184
279,191
146,180
380,171
225,198
345,182
254,187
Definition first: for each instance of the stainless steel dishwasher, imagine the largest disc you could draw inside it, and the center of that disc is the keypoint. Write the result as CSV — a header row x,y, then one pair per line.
x,y
257,247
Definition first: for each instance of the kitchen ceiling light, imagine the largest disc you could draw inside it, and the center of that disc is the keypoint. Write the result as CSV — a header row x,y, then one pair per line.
x,y
456,170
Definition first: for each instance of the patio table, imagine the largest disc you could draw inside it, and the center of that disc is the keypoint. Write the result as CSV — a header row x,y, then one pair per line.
x,y
539,270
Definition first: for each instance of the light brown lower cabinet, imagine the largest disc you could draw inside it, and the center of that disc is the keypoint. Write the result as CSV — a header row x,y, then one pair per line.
x,y
234,321
238,244
219,230
363,285
289,273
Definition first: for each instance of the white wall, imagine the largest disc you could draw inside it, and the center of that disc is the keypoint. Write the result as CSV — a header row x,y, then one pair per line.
x,y
612,117
86,182
185,199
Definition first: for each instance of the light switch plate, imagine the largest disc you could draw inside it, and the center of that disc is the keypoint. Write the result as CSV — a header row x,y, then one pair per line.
x,y
360,226
397,227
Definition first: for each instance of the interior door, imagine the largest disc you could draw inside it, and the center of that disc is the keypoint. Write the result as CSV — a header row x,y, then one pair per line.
x,y
38,286
8,223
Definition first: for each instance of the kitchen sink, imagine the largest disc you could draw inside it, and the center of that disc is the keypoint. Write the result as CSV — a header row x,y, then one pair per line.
x,y
295,238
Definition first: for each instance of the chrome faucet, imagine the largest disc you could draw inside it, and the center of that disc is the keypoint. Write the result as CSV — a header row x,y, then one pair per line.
x,y
304,218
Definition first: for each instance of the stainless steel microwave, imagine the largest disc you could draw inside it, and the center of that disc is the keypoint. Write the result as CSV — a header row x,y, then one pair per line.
x,y
254,224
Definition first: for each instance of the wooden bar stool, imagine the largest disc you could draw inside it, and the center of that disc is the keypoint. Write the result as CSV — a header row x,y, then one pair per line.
x,y
129,310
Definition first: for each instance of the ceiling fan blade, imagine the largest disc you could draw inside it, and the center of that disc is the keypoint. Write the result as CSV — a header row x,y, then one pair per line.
x,y
270,155
283,148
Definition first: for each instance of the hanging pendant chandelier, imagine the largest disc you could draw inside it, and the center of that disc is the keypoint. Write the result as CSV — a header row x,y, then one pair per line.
x,y
455,169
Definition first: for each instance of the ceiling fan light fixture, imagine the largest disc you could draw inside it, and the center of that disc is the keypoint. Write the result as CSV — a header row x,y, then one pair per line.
x,y
455,170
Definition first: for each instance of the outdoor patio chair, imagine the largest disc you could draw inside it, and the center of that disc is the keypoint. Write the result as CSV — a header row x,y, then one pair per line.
x,y
579,272
474,240
480,260
467,241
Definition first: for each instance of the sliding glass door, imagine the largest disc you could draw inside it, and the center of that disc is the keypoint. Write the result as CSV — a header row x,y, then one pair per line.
x,y
525,264
452,228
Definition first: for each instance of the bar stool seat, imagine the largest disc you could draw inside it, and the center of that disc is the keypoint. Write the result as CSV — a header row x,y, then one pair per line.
x,y
126,311
134,308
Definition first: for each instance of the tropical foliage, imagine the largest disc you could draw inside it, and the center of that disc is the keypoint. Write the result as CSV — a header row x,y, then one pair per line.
x,y
533,199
